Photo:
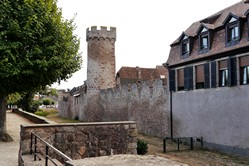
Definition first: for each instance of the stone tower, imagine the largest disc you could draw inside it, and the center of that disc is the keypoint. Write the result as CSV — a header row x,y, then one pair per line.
x,y
101,58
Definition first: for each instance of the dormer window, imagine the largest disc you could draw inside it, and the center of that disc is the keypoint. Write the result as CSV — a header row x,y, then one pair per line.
x,y
204,40
204,34
247,16
232,31
185,47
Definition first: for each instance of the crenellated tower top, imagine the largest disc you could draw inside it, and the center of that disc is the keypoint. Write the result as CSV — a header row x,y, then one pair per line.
x,y
103,32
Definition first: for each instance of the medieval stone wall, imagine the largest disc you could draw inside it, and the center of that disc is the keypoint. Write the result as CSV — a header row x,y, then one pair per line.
x,y
145,103
81,140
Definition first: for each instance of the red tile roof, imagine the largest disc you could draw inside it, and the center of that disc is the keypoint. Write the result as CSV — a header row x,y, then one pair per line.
x,y
137,73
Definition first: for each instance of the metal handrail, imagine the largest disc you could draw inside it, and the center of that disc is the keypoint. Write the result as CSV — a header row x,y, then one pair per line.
x,y
178,142
47,157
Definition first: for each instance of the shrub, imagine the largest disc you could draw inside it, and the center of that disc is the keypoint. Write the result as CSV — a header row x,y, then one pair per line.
x,y
142,147
41,113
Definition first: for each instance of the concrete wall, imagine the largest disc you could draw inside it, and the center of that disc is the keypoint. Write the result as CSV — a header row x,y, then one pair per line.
x,y
82,140
146,103
220,116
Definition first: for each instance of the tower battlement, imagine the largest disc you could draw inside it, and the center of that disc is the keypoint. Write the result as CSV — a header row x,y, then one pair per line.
x,y
103,32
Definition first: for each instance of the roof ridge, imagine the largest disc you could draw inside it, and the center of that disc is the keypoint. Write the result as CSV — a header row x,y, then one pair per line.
x,y
221,11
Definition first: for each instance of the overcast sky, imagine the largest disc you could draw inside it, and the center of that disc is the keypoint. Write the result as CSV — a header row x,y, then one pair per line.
x,y
145,28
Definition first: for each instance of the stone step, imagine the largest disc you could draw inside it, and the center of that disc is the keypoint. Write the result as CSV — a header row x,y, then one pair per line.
x,y
29,161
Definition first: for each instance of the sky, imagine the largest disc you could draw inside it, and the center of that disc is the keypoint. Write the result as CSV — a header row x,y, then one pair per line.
x,y
145,28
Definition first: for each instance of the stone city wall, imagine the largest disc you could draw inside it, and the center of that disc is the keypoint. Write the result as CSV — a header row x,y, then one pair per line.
x,y
81,140
146,103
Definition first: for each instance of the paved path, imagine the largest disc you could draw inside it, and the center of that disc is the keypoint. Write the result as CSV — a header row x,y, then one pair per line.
x,y
9,150
127,160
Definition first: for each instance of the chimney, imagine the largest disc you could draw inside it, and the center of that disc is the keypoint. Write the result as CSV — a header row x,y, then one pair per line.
x,y
246,1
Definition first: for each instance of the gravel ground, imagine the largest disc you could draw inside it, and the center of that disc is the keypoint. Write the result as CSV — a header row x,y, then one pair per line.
x,y
9,150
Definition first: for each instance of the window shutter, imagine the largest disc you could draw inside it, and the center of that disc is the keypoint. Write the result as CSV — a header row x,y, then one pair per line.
x,y
213,74
186,84
206,76
172,86
232,74
188,78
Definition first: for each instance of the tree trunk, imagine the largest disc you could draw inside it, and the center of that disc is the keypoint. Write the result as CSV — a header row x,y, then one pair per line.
x,y
4,136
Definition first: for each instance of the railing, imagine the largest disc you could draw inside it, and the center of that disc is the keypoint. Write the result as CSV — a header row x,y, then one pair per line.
x,y
180,140
47,146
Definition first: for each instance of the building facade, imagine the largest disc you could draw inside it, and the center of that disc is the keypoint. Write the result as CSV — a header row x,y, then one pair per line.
x,y
209,80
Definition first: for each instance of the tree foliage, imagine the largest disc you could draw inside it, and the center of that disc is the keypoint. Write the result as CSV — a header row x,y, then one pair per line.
x,y
46,101
48,91
37,48
14,98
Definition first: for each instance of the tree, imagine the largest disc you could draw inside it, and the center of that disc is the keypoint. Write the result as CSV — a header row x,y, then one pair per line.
x,y
46,102
37,48
48,91
14,98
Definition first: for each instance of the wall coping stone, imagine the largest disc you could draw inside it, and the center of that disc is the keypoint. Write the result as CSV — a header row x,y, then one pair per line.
x,y
32,117
77,124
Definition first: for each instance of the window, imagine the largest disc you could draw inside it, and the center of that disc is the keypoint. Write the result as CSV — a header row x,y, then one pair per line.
x,y
232,32
180,76
204,42
244,70
223,77
244,75
200,79
223,73
185,47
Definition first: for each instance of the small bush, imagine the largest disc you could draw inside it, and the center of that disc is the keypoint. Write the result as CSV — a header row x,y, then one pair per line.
x,y
35,105
41,113
142,147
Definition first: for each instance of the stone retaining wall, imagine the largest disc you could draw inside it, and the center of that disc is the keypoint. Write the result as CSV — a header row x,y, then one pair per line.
x,y
81,140
32,117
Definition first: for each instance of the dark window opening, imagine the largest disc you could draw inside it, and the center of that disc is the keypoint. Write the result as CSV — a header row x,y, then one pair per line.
x,y
200,85
185,47
244,76
233,33
180,79
204,42
223,73
223,77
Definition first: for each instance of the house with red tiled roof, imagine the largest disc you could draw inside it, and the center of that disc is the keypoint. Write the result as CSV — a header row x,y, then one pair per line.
x,y
209,80
130,75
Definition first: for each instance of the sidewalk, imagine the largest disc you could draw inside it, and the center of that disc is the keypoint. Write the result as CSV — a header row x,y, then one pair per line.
x,y
9,150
